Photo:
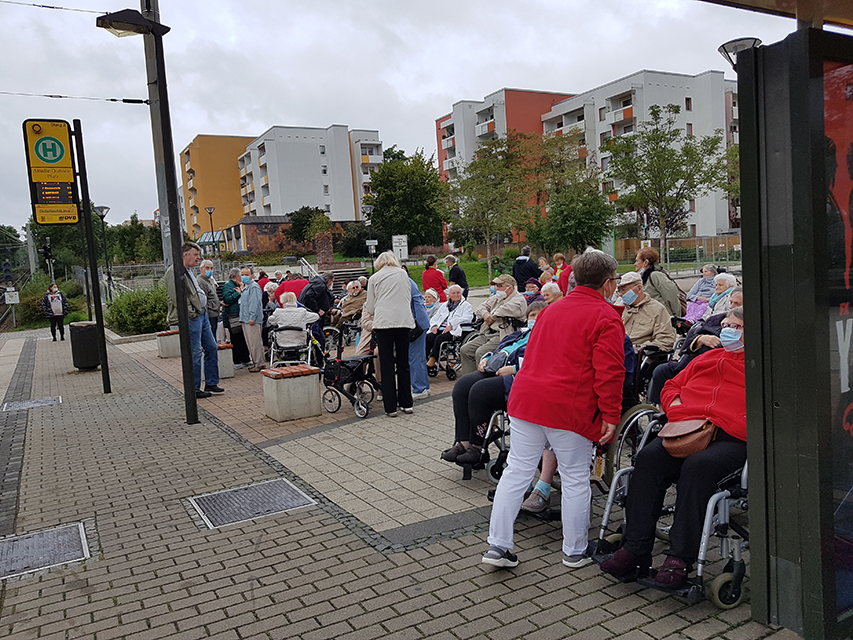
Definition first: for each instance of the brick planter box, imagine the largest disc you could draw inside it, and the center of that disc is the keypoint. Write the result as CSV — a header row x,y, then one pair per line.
x,y
168,344
292,392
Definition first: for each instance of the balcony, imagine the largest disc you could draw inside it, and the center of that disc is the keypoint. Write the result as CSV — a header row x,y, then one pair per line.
x,y
265,201
187,165
266,180
262,160
735,137
448,142
189,183
366,159
620,115
734,113
485,128
574,126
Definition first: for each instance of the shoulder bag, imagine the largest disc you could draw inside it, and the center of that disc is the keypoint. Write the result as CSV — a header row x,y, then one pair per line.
x,y
685,437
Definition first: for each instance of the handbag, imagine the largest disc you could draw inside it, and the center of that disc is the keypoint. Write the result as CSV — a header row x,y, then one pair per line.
x,y
415,333
685,437
497,360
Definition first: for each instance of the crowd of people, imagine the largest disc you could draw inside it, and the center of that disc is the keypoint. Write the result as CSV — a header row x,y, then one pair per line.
x,y
575,328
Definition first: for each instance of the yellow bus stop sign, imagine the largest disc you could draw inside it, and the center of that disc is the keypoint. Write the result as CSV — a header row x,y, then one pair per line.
x,y
50,164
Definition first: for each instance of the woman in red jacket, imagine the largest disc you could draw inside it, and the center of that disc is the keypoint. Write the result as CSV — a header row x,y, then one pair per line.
x,y
567,394
712,388
432,278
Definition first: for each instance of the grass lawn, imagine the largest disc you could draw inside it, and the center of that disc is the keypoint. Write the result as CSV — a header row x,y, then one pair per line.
x,y
474,271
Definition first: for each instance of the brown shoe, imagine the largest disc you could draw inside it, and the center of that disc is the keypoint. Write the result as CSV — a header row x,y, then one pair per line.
x,y
256,369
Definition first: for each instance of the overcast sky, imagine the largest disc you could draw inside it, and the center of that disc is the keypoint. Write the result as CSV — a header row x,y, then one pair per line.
x,y
241,67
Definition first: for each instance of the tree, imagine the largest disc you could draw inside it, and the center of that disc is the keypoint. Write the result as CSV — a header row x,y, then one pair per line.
x,y
306,222
577,217
731,185
393,153
555,163
493,191
353,243
409,198
661,168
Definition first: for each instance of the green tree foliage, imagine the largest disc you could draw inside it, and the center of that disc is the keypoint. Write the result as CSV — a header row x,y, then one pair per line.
x,y
577,218
134,242
492,194
393,153
409,198
353,244
555,163
139,311
304,223
660,167
731,183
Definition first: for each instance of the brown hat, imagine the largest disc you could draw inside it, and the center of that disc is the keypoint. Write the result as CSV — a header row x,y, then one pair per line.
x,y
504,278
632,277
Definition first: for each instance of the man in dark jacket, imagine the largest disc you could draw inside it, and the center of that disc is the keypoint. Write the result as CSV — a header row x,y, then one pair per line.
x,y
456,275
316,296
524,269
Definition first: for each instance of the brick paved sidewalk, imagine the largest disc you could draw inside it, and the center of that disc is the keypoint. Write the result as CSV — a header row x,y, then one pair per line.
x,y
126,463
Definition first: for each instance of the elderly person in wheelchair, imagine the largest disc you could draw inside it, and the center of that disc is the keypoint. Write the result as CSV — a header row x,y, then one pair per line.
x,y
293,316
479,394
447,322
647,321
712,389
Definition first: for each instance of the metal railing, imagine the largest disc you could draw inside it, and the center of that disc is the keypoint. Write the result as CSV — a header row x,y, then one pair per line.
x,y
688,255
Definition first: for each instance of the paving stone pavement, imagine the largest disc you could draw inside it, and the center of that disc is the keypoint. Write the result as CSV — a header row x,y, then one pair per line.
x,y
404,564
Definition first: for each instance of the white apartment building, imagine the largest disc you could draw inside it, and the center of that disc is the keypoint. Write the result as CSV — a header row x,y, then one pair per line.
x,y
286,168
708,102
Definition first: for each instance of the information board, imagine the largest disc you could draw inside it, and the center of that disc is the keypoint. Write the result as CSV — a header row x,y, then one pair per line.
x,y
50,168
400,246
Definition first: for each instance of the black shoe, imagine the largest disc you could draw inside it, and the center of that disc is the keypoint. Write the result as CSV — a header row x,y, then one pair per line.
x,y
214,388
471,456
62,339
54,339
203,394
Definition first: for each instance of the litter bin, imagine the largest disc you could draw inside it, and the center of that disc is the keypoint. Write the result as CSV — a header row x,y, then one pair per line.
x,y
84,345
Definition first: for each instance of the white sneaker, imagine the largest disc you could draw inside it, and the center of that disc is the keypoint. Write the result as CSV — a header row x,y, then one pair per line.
x,y
576,562
420,396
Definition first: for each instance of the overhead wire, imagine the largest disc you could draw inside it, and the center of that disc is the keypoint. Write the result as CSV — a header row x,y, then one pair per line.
x,y
54,95
49,6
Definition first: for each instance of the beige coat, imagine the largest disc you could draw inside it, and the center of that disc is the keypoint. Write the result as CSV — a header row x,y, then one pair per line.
x,y
514,306
389,299
648,322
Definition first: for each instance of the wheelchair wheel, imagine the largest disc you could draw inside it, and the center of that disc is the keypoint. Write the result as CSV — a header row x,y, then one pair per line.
x,y
495,468
333,339
626,439
432,372
451,373
331,400
364,392
724,593
361,408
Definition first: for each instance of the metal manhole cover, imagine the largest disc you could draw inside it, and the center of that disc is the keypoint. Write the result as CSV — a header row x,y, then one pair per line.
x,y
42,549
246,503
29,404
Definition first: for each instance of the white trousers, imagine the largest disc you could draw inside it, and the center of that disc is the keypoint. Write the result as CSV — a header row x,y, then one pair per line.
x,y
574,453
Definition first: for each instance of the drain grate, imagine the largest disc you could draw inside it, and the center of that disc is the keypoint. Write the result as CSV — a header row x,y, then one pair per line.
x,y
246,503
29,404
42,549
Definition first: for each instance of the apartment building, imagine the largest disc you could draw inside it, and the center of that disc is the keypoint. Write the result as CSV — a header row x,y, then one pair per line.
x,y
708,102
471,122
286,168
210,178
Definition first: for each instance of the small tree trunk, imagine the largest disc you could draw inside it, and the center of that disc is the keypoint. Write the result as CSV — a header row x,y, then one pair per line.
x,y
489,256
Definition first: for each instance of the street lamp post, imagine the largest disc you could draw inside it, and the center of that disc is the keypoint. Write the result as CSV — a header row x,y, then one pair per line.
x,y
102,212
124,23
366,210
210,213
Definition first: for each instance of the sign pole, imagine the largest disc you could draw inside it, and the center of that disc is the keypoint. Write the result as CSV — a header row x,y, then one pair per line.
x,y
93,259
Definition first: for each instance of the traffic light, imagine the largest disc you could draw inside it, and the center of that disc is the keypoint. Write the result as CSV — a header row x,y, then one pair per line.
x,y
46,253
7,271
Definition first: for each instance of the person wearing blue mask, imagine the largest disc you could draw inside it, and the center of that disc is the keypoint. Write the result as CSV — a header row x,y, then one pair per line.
x,y
208,285
252,318
647,321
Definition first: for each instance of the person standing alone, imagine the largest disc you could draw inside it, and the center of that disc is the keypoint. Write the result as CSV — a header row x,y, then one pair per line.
x,y
55,308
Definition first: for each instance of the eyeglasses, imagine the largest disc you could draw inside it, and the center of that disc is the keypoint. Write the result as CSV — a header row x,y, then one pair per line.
x,y
731,325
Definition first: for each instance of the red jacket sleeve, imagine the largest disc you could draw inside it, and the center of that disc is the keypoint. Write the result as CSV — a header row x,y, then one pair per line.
x,y
608,362
563,280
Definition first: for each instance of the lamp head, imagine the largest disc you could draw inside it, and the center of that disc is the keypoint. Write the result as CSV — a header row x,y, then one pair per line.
x,y
210,210
101,211
129,22
730,49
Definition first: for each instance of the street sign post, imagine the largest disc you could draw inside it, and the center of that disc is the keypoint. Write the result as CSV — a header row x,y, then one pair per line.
x,y
12,298
400,245
50,169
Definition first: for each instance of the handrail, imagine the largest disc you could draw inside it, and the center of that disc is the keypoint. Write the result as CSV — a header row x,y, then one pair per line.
x,y
307,264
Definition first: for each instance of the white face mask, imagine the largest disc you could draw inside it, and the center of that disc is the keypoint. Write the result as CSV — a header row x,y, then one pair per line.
x,y
500,295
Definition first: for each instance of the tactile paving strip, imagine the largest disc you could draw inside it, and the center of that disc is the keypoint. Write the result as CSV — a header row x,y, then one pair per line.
x,y
29,404
42,549
249,502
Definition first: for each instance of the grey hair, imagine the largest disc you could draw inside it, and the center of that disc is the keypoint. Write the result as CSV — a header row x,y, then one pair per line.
x,y
205,262
287,297
233,272
454,287
451,259
737,312
270,286
278,274
536,306
726,278
249,269
188,246
362,280
592,268
737,290
710,267
327,276
550,287
385,259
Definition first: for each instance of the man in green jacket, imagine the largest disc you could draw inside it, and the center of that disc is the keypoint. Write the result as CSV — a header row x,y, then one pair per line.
x,y
201,337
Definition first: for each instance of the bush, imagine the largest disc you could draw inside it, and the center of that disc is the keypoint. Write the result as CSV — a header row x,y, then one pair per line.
x,y
29,310
71,289
76,316
140,311
511,253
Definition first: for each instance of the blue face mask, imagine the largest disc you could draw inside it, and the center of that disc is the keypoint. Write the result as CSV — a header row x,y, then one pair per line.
x,y
731,339
245,279
629,297
430,305
493,290
530,323
209,273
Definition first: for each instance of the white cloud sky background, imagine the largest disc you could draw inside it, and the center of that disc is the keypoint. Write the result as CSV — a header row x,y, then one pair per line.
x,y
241,67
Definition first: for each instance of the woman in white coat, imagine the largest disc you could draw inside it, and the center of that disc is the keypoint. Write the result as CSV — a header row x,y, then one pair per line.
x,y
447,322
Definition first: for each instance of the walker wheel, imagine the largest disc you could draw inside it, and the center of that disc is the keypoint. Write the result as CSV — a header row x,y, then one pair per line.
x,y
724,593
331,400
361,408
495,468
451,373
364,392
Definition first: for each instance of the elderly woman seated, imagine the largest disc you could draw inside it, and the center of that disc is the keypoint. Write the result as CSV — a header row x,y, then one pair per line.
x,y
291,315
711,388
351,305
705,286
551,293
431,302
531,291
479,394
647,321
447,322
720,301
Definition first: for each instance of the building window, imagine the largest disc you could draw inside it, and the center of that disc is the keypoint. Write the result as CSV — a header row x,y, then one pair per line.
x,y
692,228
605,162
688,104
607,187
328,208
627,102
629,128
325,189
602,114
603,137
689,129
324,169
580,118
691,205
322,149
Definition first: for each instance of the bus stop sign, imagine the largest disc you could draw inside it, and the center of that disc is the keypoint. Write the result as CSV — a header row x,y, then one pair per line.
x,y
50,167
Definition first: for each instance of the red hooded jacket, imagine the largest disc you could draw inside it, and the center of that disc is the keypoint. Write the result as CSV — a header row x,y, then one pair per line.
x,y
574,366
713,387
432,278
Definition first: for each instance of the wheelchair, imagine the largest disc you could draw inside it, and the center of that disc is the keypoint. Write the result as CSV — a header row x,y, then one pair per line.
x,y
284,355
495,449
450,356
726,590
